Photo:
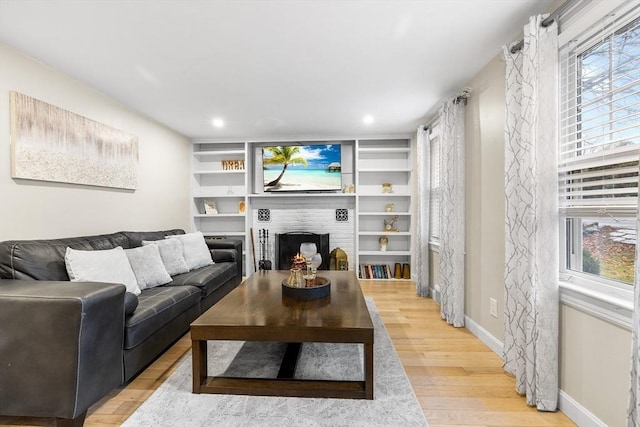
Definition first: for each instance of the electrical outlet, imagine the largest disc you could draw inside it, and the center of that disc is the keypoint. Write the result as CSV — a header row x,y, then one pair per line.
x,y
493,307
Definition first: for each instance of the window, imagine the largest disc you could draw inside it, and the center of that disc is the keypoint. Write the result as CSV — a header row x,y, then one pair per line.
x,y
434,194
599,152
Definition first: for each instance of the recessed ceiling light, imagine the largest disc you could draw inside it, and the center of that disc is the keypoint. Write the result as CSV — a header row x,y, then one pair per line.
x,y
217,123
368,119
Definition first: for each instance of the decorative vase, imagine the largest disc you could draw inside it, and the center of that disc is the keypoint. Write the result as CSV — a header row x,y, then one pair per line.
x,y
397,271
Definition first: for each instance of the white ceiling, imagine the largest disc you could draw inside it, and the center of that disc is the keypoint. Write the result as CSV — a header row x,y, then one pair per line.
x,y
270,69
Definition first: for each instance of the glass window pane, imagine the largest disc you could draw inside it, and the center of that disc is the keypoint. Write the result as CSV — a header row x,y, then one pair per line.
x,y
607,249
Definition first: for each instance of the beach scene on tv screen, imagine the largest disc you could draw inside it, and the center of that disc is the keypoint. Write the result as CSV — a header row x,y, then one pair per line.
x,y
302,168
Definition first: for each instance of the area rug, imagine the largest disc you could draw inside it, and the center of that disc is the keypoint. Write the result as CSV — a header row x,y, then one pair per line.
x,y
395,403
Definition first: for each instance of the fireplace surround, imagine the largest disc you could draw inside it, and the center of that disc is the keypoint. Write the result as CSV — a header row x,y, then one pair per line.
x,y
288,245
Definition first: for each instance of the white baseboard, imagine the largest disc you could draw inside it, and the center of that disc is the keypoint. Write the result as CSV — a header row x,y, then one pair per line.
x,y
569,406
578,413
483,335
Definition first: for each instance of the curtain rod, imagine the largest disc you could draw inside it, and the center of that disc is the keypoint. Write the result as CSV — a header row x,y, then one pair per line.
x,y
548,21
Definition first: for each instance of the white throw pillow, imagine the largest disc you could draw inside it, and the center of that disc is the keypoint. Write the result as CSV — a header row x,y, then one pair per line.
x,y
196,252
147,266
110,266
172,254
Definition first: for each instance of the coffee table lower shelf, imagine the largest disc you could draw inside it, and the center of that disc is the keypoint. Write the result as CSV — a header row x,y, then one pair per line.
x,y
284,385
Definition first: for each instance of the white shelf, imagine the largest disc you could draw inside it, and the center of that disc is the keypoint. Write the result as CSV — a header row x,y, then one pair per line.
x,y
384,253
384,233
384,195
384,213
289,195
384,170
384,150
213,153
218,196
219,215
215,172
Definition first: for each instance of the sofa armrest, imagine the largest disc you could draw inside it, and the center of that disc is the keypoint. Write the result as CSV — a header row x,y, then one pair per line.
x,y
216,244
60,346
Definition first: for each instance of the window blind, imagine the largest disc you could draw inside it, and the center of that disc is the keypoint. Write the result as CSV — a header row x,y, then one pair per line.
x,y
600,120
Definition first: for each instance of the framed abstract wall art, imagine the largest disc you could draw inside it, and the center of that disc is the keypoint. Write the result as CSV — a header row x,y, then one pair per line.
x,y
49,143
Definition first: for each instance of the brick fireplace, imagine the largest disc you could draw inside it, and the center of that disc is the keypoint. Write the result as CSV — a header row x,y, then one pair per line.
x,y
333,216
288,245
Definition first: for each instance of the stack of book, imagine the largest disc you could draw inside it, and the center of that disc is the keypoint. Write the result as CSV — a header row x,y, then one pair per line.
x,y
375,271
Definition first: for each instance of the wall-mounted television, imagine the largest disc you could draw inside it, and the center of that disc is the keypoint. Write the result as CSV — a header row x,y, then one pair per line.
x,y
302,167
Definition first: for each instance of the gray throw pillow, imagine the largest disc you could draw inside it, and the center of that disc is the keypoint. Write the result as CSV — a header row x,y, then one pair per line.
x,y
172,255
109,265
196,252
147,266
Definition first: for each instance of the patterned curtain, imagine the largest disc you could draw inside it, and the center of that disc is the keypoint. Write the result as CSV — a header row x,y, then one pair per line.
x,y
424,188
531,216
634,399
452,211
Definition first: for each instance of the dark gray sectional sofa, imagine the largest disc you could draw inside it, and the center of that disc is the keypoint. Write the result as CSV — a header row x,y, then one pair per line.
x,y
64,345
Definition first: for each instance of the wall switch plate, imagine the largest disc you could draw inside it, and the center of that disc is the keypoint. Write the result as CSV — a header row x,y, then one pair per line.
x,y
493,307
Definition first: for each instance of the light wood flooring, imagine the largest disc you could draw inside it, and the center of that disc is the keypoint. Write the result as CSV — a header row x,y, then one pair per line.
x,y
457,379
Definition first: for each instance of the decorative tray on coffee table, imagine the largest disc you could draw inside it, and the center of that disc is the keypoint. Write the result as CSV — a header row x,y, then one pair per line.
x,y
320,287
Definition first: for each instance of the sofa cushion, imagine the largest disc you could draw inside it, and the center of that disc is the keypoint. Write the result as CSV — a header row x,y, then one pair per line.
x,y
108,265
147,266
195,249
172,255
207,279
157,307
44,259
130,303
136,237
223,255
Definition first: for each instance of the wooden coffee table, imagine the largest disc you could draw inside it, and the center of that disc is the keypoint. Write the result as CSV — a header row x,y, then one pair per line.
x,y
257,311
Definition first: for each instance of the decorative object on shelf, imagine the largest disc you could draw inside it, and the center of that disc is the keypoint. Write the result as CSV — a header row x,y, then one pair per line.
x,y
387,187
230,190
338,260
397,271
390,224
52,144
233,165
349,188
389,207
241,207
383,243
406,272
210,207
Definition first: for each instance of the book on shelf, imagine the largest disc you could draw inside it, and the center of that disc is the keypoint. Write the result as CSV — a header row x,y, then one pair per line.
x,y
375,271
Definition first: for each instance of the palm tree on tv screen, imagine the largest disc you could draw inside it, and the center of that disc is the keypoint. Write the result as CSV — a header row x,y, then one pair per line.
x,y
284,156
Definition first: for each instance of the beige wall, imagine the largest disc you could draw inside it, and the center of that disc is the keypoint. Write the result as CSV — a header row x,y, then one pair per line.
x,y
484,261
595,364
594,354
38,209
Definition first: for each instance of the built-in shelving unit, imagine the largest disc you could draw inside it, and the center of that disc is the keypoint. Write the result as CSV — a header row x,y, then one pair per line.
x,y
215,181
369,164
384,161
